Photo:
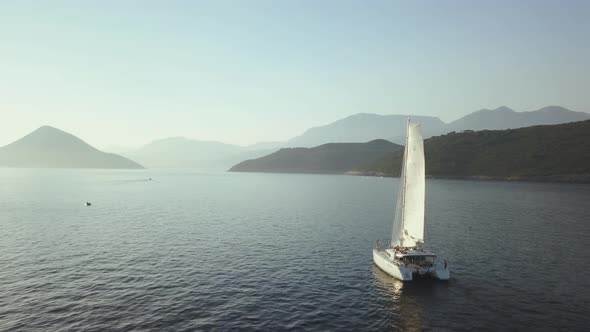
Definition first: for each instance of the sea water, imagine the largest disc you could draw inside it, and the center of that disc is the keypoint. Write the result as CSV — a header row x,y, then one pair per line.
x,y
190,251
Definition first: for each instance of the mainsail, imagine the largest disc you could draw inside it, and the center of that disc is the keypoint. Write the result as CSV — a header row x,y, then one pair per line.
x,y
408,224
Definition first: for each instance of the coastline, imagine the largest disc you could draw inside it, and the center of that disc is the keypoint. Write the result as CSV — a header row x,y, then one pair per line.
x,y
561,178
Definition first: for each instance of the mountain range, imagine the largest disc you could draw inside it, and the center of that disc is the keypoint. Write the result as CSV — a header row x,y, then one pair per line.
x,y
180,152
49,147
362,127
548,153
506,118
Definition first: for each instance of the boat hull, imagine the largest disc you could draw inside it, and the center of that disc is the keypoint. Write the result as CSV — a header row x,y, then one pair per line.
x,y
441,274
388,266
404,273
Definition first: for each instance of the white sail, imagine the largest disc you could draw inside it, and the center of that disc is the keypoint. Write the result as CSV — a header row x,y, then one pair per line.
x,y
408,225
396,233
413,222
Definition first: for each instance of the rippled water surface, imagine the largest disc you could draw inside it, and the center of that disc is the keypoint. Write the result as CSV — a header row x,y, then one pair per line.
x,y
220,251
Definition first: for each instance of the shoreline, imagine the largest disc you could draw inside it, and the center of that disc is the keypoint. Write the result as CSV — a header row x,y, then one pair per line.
x,y
562,178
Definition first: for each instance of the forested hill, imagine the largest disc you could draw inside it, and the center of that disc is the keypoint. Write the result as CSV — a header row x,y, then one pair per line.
x,y
552,152
332,158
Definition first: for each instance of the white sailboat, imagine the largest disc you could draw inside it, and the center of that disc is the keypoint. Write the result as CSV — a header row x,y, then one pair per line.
x,y
406,257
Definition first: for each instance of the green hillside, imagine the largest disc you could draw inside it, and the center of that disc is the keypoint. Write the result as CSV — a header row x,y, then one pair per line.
x,y
559,151
332,158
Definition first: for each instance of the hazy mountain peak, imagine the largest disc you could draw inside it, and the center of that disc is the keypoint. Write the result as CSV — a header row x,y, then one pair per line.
x,y
379,141
47,127
501,109
362,115
51,147
191,153
49,130
506,118
46,137
504,109
172,138
364,127
554,109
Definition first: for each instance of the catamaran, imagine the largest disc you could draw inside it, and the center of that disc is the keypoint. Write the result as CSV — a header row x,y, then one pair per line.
x,y
406,258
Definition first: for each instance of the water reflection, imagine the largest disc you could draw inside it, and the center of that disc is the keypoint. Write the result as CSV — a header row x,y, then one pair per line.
x,y
411,301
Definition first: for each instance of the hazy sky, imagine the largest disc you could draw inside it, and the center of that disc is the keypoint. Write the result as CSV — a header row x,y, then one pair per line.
x,y
127,72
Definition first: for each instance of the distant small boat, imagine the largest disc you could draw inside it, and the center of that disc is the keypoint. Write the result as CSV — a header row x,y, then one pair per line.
x,y
88,204
406,258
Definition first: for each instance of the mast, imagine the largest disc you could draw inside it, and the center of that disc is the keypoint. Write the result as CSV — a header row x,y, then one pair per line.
x,y
403,212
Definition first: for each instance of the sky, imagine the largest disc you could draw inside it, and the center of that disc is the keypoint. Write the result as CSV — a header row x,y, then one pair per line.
x,y
123,73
